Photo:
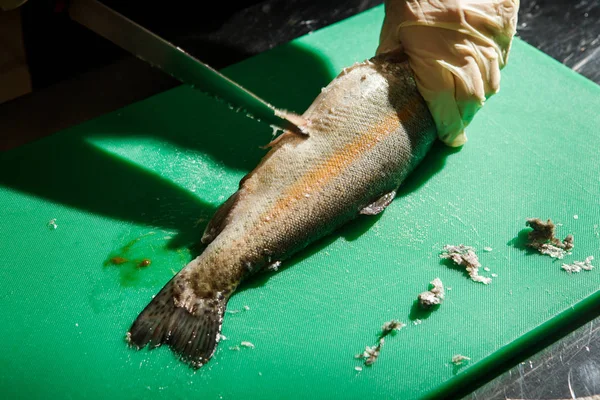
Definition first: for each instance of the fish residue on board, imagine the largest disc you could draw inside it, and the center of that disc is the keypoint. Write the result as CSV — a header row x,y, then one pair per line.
x,y
578,266
371,353
543,239
432,297
391,326
465,256
459,359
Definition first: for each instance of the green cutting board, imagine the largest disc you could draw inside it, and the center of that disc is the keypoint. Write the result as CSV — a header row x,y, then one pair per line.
x,y
134,183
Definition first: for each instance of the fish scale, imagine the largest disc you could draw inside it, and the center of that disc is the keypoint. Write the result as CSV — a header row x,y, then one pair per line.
x,y
366,131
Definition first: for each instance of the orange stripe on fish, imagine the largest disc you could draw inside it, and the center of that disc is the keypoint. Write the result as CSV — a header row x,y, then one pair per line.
x,y
341,159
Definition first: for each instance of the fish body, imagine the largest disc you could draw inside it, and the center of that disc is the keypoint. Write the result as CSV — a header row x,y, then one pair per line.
x,y
366,131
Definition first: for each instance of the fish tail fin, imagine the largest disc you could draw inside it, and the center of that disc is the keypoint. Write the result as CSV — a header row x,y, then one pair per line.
x,y
191,328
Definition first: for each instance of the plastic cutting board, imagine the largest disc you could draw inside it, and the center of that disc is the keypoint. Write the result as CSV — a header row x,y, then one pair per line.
x,y
133,184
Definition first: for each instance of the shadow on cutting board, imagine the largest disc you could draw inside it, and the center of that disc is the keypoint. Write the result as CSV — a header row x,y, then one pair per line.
x,y
67,168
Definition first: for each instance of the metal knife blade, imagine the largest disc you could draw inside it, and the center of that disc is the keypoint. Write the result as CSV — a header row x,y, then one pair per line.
x,y
176,62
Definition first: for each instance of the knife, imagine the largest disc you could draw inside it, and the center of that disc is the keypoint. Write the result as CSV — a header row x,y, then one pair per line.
x,y
173,60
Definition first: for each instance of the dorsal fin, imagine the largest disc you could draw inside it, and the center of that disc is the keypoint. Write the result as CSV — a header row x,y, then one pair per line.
x,y
219,220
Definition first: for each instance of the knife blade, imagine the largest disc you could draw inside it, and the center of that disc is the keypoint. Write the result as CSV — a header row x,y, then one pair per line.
x,y
173,60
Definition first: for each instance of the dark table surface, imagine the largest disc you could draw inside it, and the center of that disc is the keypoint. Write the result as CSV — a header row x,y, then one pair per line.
x,y
89,77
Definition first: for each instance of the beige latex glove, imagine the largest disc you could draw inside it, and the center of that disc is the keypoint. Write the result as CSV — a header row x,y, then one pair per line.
x,y
456,49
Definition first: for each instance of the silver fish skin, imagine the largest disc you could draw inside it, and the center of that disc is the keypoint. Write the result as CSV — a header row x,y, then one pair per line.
x,y
366,131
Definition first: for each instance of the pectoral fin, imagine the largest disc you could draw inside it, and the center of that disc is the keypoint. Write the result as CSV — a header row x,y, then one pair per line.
x,y
379,205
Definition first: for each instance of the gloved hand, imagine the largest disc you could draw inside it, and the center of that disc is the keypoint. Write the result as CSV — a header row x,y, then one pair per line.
x,y
456,49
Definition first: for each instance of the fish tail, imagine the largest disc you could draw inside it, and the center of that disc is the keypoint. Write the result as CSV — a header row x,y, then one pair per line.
x,y
189,325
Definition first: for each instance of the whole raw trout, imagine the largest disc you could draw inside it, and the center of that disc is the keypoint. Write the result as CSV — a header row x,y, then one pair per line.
x,y
365,132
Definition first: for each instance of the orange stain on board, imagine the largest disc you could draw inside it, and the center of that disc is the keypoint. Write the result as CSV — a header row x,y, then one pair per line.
x,y
118,260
